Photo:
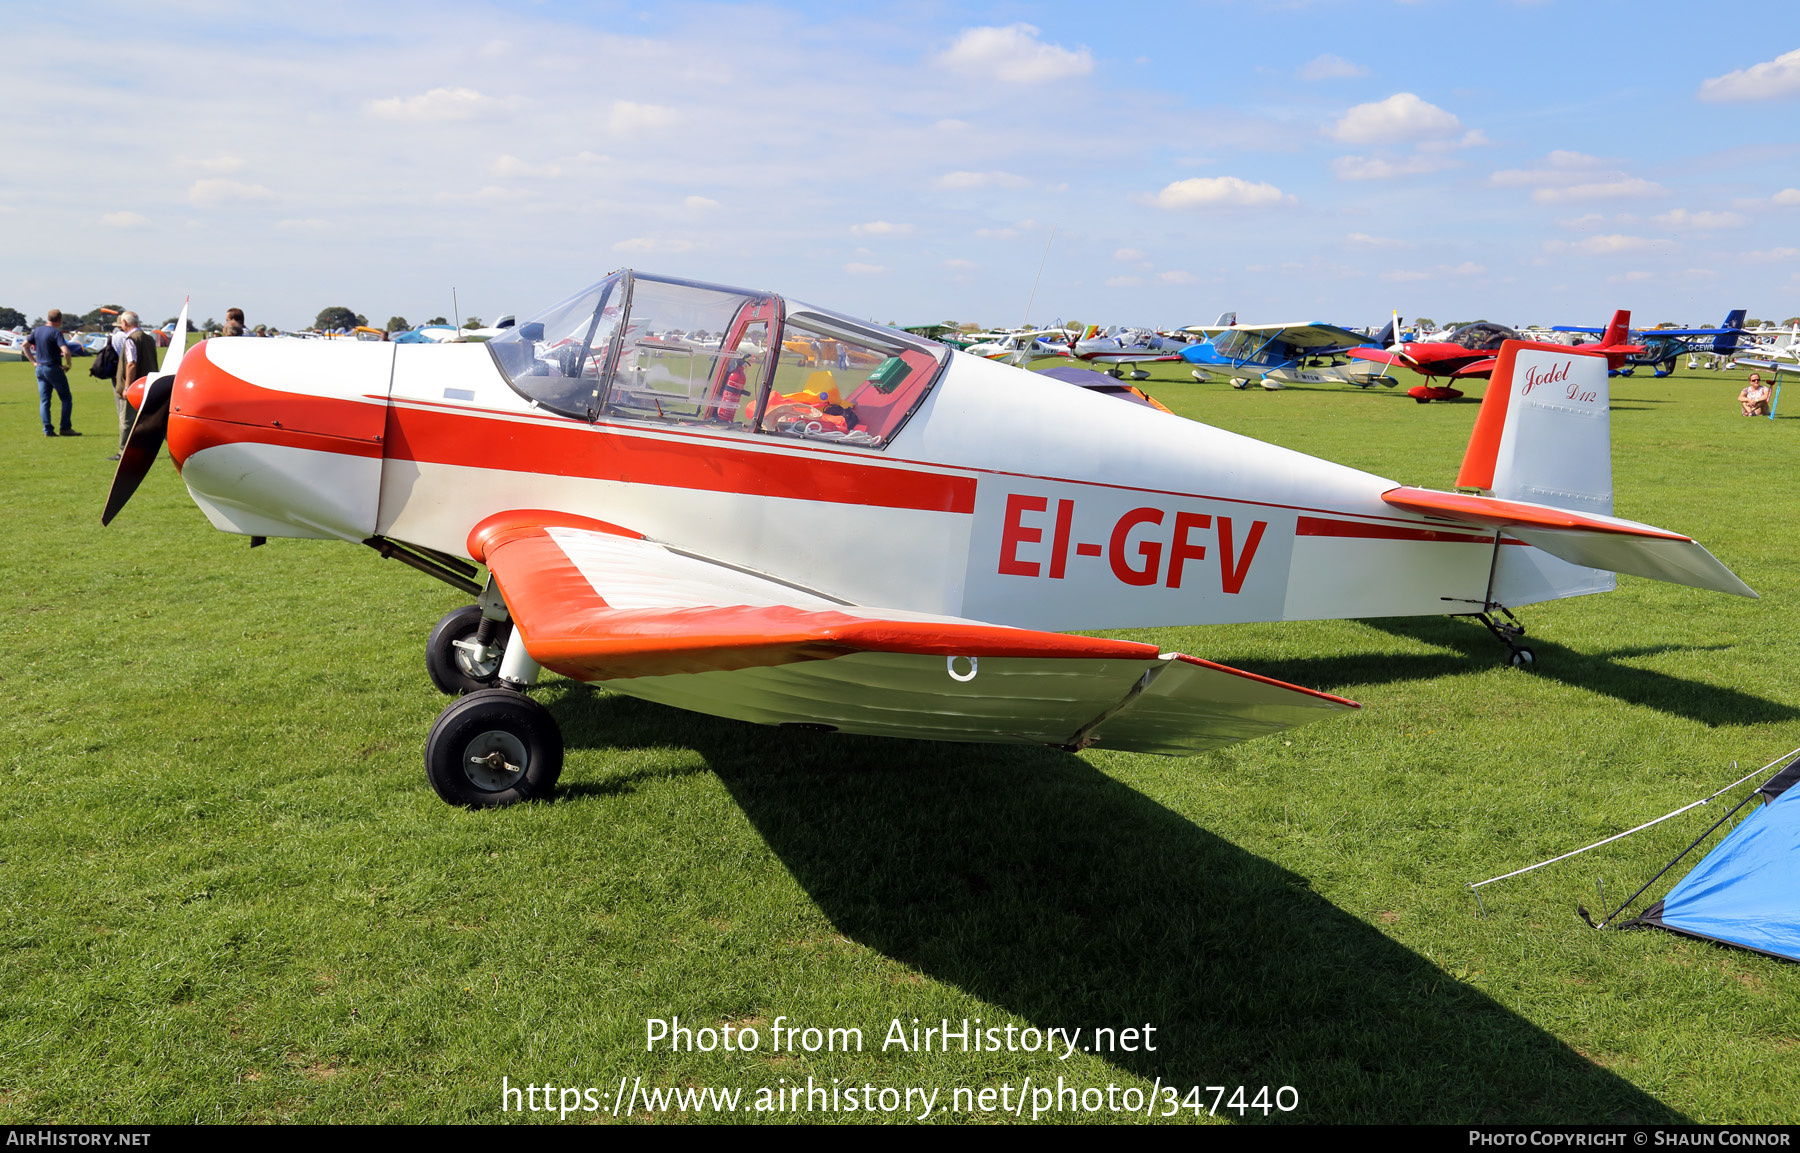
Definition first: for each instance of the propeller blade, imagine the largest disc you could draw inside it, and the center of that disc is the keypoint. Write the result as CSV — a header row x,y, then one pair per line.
x,y
150,425
141,445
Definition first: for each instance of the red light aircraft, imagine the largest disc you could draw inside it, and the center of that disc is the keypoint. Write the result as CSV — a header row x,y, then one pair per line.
x,y
1473,350
736,503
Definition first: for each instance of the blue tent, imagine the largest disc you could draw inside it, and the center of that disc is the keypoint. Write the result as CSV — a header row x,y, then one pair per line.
x,y
1747,890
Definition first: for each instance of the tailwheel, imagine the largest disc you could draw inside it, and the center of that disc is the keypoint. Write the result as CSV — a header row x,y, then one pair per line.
x,y
493,748
463,652
1508,631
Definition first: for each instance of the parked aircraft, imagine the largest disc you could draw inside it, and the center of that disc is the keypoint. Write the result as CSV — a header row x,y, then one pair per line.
x,y
895,549
1117,347
1021,348
1662,346
1277,355
1473,350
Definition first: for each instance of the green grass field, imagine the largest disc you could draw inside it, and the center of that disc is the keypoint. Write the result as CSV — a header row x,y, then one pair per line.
x,y
231,896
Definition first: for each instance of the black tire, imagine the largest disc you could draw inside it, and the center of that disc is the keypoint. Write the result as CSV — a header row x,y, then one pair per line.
x,y
493,748
1523,658
448,665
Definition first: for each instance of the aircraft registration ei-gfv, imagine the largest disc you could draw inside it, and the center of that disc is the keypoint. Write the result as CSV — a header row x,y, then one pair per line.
x,y
732,502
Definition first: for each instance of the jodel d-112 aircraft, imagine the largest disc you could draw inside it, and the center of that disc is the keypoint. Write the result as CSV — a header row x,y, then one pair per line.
x,y
887,538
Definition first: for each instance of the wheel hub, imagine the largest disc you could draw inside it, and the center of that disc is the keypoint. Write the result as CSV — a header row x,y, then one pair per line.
x,y
476,660
495,760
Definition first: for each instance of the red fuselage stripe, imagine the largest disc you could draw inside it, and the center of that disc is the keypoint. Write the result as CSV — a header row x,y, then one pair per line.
x,y
597,453
1318,526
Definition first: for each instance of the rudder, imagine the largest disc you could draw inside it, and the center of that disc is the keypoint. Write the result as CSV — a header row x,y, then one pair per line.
x,y
1544,435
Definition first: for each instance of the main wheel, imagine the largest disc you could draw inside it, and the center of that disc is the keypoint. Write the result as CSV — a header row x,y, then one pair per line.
x,y
453,670
492,748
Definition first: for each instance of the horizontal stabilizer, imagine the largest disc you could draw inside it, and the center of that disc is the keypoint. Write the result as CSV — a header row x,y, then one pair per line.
x,y
599,603
1589,539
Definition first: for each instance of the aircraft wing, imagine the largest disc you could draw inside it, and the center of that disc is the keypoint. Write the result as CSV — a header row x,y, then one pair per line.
x,y
1307,335
596,602
1478,368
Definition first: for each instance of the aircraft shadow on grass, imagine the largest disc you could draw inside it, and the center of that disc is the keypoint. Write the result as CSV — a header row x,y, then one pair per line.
x,y
1040,885
1475,650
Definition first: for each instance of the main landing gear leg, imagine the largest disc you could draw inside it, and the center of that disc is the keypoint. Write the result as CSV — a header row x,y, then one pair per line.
x,y
463,653
494,746
1508,632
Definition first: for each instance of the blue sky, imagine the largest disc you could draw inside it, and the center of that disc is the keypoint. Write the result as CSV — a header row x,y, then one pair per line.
x,y
1527,162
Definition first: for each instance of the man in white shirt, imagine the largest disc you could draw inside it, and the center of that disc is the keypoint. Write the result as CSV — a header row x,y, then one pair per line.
x,y
135,347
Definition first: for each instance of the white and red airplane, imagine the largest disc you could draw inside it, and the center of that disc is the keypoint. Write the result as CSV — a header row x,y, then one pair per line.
x,y
871,534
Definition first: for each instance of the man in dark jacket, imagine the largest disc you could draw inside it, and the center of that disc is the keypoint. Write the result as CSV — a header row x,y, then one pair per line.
x,y
47,350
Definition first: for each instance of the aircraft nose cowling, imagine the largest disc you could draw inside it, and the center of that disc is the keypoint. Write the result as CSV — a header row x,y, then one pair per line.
x,y
283,437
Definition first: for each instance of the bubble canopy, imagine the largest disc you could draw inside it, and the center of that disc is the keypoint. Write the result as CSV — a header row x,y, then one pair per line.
x,y
656,349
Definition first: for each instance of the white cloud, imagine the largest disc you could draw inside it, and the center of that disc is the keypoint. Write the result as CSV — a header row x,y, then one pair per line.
x,y
1702,221
649,244
1176,276
1407,275
628,118
1123,281
962,180
864,269
1608,245
1585,220
1400,118
1633,277
1219,192
1624,187
880,228
1014,54
1770,80
123,220
1575,176
1379,168
960,265
211,192
220,164
1773,256
996,233
1329,67
437,104
700,202
513,166
310,224
1364,240
1786,196
1128,254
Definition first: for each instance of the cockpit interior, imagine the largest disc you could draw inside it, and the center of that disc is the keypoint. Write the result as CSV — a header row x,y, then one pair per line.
x,y
637,347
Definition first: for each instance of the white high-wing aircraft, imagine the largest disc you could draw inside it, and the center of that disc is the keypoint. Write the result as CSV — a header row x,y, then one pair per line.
x,y
740,504
1277,355
1021,348
1771,355
1116,347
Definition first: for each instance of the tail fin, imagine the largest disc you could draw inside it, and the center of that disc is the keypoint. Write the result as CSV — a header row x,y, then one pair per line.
x,y
1727,343
1226,319
1544,435
1386,337
1619,331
